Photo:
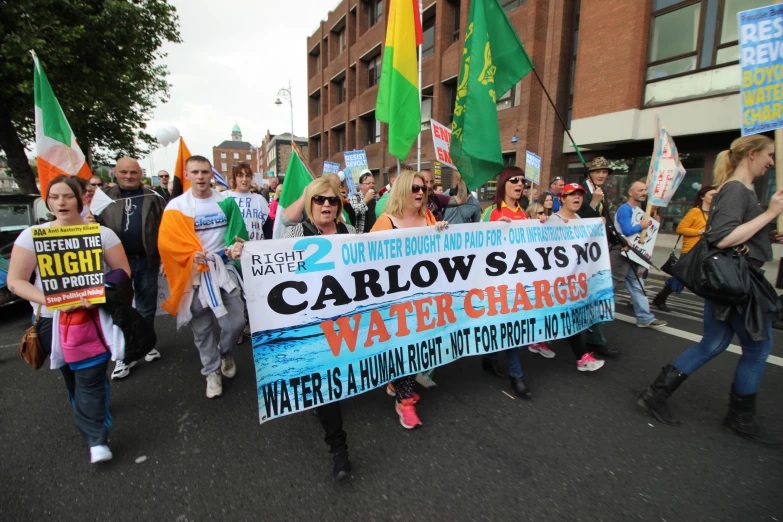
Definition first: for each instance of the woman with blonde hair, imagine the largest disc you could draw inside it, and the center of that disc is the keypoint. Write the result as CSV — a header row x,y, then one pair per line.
x,y
406,207
736,220
536,211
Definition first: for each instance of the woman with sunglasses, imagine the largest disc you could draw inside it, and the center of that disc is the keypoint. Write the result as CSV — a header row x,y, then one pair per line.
x,y
406,207
323,206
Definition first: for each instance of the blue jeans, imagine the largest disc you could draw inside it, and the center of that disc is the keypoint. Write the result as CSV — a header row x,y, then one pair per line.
x,y
641,306
717,337
512,358
145,288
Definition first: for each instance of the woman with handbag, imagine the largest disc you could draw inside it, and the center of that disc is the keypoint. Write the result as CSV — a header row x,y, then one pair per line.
x,y
81,341
737,220
690,229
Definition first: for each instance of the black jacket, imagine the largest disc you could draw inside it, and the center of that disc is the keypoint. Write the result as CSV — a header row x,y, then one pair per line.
x,y
586,211
152,208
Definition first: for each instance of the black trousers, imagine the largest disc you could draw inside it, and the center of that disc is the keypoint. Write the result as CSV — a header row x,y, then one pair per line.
x,y
577,344
331,418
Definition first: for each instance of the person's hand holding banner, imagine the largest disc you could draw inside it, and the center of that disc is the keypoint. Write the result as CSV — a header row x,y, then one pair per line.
x,y
235,252
84,303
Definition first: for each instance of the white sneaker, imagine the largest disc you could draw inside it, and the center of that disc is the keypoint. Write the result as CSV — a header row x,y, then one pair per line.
x,y
657,323
424,380
228,367
214,385
153,355
100,454
588,363
542,349
122,370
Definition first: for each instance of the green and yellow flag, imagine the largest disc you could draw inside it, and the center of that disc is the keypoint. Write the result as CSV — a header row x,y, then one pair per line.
x,y
398,93
493,61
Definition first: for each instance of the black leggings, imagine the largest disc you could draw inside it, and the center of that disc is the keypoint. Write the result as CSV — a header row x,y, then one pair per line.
x,y
331,418
577,343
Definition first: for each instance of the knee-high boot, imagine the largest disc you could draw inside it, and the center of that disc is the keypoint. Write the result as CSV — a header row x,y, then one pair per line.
x,y
740,419
654,397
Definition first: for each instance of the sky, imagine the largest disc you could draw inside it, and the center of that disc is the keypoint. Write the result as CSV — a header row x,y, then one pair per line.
x,y
234,57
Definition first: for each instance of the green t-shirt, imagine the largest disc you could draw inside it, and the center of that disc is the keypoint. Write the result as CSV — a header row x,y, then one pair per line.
x,y
381,204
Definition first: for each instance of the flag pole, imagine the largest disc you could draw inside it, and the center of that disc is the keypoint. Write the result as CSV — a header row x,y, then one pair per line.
x,y
418,139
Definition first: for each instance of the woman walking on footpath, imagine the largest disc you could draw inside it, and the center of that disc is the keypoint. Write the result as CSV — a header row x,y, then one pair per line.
x,y
691,228
737,219
84,357
406,207
323,208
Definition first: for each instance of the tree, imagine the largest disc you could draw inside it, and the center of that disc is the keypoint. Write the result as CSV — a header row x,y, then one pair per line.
x,y
102,59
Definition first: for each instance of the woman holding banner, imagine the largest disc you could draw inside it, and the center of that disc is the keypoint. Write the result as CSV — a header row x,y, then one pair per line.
x,y
406,207
83,363
691,228
736,220
323,207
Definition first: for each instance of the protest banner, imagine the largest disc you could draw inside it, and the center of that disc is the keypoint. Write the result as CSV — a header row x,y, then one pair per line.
x,y
437,171
441,137
335,316
666,171
331,167
163,294
644,241
532,168
70,261
761,57
355,163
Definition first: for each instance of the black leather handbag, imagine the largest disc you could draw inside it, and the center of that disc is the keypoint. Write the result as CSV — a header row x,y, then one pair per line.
x,y
669,264
720,275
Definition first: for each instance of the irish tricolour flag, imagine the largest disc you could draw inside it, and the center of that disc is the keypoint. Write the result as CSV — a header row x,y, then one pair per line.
x,y
57,152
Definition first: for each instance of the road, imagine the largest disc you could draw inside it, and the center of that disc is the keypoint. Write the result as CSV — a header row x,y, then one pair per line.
x,y
580,450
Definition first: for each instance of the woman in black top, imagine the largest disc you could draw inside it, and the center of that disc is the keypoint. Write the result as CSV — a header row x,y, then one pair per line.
x,y
737,219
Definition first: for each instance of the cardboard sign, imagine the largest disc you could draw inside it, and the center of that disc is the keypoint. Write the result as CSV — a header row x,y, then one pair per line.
x,y
761,57
441,136
355,163
532,168
666,171
321,334
70,262
645,246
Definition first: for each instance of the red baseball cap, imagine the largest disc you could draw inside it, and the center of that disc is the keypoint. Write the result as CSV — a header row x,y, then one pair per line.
x,y
571,188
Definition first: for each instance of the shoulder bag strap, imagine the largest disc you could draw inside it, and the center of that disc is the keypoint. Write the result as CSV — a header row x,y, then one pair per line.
x,y
37,315
98,329
676,243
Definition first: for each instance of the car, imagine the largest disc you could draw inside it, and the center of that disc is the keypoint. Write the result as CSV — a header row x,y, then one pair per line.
x,y
17,212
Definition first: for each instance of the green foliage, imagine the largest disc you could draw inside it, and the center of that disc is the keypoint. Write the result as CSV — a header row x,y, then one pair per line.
x,y
102,58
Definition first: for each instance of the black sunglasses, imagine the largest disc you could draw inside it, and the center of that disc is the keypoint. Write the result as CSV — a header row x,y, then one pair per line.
x,y
516,180
320,200
417,188
96,184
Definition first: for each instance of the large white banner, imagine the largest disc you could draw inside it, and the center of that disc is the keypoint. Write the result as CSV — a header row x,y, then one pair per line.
x,y
335,316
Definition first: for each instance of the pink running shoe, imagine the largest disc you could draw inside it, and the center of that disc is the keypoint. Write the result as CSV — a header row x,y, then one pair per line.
x,y
588,363
407,413
393,393
543,349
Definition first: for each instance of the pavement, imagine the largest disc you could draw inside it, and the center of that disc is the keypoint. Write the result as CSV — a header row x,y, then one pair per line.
x,y
580,450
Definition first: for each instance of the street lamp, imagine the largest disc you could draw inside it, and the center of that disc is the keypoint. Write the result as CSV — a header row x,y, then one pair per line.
x,y
285,94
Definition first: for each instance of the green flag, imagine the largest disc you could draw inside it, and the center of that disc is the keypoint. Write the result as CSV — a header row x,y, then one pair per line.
x,y
297,177
493,61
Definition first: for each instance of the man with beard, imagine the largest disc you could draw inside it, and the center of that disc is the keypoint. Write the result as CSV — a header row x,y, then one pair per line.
x,y
437,203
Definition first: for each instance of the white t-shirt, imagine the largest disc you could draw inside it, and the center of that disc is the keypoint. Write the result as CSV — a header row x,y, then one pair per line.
x,y
25,240
211,225
254,210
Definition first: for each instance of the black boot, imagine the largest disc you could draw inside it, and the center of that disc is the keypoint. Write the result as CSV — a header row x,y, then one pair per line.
x,y
342,466
605,350
660,299
654,398
519,387
492,366
739,419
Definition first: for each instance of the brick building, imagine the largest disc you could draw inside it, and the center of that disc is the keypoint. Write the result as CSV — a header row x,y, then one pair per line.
x,y
610,67
277,152
234,151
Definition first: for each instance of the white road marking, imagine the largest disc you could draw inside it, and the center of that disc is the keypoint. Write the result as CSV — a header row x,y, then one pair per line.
x,y
733,348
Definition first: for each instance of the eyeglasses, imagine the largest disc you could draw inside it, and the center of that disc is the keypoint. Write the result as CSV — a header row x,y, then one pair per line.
x,y
540,212
96,184
320,200
417,188
558,178
161,177
515,180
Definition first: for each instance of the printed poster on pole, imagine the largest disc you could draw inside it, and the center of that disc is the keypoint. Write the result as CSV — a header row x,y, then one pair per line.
x,y
532,168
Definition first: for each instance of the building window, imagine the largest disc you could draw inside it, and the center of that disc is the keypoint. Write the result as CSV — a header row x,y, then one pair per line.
x,y
455,33
339,139
247,157
236,155
510,5
374,11
341,41
728,46
452,90
340,88
574,46
222,155
315,146
315,105
507,100
374,71
428,27
426,109
314,62
223,166
372,129
510,159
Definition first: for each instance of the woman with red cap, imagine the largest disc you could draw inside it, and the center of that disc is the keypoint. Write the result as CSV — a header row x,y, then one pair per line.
x,y
571,200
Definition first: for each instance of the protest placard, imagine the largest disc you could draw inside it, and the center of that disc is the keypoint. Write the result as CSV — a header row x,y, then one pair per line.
x,y
355,163
70,262
644,242
441,136
666,171
532,168
761,57
335,316
331,167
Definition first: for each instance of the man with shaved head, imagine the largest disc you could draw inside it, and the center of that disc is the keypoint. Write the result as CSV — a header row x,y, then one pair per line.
x,y
135,218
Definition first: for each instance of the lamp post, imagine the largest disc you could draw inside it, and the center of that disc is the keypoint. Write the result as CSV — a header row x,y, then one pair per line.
x,y
285,94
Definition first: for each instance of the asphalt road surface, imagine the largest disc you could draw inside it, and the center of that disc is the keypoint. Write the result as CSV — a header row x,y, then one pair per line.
x,y
580,450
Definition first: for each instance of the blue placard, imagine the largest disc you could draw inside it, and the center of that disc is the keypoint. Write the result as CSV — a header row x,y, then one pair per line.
x,y
331,167
761,58
355,163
